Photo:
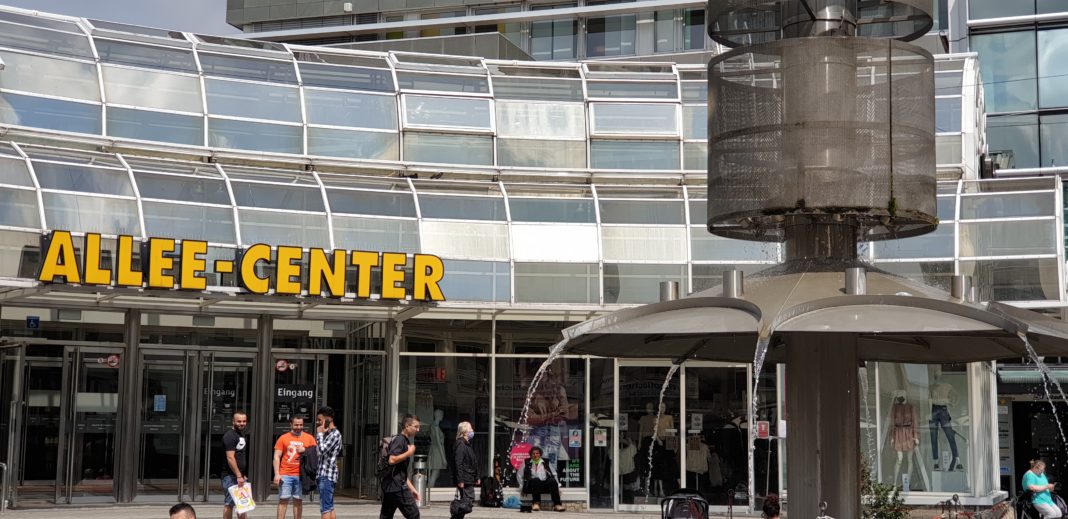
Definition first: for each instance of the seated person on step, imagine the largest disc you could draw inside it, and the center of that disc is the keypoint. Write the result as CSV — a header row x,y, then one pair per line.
x,y
539,477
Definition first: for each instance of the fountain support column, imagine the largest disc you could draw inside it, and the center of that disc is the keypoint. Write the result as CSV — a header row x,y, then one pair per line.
x,y
823,424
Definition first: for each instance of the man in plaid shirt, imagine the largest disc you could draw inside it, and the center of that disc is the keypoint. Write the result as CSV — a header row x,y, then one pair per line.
x,y
329,440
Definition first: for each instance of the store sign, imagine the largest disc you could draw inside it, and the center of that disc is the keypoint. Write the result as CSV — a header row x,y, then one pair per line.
x,y
326,273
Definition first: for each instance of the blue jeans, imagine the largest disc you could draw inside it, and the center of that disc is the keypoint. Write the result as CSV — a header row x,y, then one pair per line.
x,y
228,481
940,418
326,495
289,488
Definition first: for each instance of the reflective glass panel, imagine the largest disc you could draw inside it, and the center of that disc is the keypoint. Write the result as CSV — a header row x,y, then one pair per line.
x,y
448,149
557,283
947,114
193,222
443,82
1053,134
695,122
156,126
553,210
664,31
706,246
447,111
642,212
462,207
948,149
554,39
49,76
350,109
376,234
254,100
1008,238
248,68
1008,70
634,154
947,208
646,243
476,281
541,153
70,177
353,144
632,89
304,230
355,78
979,9
1014,280
476,240
1016,138
695,156
936,274
91,214
1052,72
378,203
1008,205
52,114
694,91
610,35
537,89
626,283
274,196
184,189
14,171
248,135
693,29
128,53
150,89
611,118
937,244
18,208
541,120
52,42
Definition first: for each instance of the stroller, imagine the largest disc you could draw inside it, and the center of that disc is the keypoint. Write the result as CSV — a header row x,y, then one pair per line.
x,y
684,504
1026,510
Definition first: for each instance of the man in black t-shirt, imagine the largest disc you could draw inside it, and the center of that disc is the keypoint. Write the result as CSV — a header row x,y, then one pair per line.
x,y
398,492
235,443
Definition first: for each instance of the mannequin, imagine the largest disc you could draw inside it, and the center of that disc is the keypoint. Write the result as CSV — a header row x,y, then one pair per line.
x,y
904,434
437,461
645,423
698,464
628,473
942,396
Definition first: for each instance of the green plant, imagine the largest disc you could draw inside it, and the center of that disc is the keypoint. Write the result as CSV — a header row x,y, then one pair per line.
x,y
880,500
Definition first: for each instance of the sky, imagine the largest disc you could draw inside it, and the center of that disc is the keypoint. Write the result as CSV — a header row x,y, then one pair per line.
x,y
200,16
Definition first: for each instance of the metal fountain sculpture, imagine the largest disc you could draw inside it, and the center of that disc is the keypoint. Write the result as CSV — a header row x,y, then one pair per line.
x,y
821,135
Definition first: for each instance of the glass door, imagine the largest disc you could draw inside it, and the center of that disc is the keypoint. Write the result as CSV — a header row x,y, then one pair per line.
x,y
34,474
716,439
165,392
648,453
89,409
299,382
11,404
365,378
227,387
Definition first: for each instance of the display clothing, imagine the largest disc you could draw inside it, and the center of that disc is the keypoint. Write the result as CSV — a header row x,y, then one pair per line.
x,y
437,458
903,422
626,458
697,459
940,419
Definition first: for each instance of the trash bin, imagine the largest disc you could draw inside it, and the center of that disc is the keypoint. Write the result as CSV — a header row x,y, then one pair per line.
x,y
684,504
419,479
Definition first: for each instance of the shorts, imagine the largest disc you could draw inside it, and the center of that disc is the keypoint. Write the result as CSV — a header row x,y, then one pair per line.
x,y
326,495
289,488
228,480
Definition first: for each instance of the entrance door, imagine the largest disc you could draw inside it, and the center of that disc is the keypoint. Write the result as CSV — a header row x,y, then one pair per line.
x,y
227,387
88,419
11,405
168,382
649,450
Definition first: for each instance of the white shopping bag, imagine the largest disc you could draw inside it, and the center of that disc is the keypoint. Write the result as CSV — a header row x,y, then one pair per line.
x,y
243,502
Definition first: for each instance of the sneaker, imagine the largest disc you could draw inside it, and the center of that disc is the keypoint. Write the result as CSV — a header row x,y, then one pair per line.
x,y
535,507
559,508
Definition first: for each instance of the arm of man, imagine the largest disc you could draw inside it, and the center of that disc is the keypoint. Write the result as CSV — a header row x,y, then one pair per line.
x,y
395,456
231,460
277,461
411,487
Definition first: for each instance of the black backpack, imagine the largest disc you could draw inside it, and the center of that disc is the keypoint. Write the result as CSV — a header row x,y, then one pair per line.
x,y
383,468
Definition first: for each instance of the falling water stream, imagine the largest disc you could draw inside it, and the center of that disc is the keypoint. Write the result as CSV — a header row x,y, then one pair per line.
x,y
1047,377
524,416
656,430
758,365
869,437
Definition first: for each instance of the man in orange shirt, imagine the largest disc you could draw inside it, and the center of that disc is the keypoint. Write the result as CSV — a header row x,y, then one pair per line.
x,y
287,452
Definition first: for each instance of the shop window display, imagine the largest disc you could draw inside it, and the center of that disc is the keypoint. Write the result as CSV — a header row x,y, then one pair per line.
x,y
926,427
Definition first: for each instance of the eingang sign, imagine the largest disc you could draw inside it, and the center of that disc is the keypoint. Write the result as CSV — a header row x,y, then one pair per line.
x,y
326,273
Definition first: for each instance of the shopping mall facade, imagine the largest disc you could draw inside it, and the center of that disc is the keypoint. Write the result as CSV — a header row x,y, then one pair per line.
x,y
194,225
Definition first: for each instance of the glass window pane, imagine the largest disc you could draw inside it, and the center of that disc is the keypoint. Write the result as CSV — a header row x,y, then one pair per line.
x,y
541,153
376,234
70,177
634,154
91,214
1008,238
127,53
694,91
248,68
931,273
693,29
664,31
14,172
947,114
632,89
192,222
937,244
185,189
355,78
443,82
303,230
149,89
1009,70
695,156
273,196
557,283
541,120
255,100
642,212
476,240
351,109
18,208
462,207
476,281
447,111
1015,138
52,42
448,149
553,210
377,203
706,246
555,242
52,114
1050,6
353,144
979,9
947,208
1054,140
610,36
49,76
1014,280
247,135
1007,205
156,126
948,149
612,118
948,83
695,122
659,244
537,89
626,283
1052,80
554,40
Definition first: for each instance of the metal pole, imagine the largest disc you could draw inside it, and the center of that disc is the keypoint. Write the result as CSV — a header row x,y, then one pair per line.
x,y
669,291
3,487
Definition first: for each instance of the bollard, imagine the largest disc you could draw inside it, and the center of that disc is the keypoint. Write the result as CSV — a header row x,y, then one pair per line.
x,y
419,479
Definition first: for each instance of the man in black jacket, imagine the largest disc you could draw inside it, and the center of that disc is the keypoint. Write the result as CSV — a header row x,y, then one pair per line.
x,y
464,472
539,477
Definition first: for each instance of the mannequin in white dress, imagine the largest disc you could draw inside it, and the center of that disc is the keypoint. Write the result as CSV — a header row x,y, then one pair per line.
x,y
437,461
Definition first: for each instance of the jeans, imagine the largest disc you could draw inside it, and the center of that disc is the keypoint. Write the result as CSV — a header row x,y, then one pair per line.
x,y
289,488
940,418
326,495
227,482
400,500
